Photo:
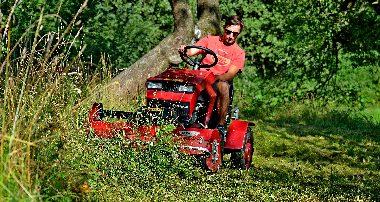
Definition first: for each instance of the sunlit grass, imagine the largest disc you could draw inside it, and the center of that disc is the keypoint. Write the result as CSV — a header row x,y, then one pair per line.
x,y
372,114
35,91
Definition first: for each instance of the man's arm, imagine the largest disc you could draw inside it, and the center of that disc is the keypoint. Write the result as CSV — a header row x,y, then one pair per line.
x,y
195,51
229,75
190,51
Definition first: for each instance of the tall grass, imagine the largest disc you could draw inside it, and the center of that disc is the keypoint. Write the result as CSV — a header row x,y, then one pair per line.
x,y
40,82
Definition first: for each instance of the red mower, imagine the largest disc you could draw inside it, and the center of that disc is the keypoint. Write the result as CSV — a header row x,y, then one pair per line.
x,y
186,98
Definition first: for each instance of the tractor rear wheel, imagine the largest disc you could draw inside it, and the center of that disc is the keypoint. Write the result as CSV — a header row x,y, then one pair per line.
x,y
214,160
242,159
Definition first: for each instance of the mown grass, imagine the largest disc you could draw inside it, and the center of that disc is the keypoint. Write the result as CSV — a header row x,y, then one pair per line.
x,y
337,152
293,161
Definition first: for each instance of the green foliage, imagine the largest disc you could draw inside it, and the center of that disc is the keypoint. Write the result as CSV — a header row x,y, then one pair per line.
x,y
126,30
305,49
299,49
121,30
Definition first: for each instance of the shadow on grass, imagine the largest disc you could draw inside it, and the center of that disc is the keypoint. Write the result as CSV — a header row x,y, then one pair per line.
x,y
334,153
355,127
327,138
323,186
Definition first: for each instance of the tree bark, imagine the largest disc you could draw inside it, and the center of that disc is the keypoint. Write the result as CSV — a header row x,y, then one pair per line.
x,y
209,17
126,86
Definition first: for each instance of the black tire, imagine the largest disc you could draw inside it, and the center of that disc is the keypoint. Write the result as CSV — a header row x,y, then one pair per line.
x,y
242,159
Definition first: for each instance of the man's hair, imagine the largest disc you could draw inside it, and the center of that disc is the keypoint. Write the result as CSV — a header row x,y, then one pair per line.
x,y
234,20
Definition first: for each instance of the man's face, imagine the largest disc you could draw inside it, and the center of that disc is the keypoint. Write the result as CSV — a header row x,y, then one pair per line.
x,y
230,34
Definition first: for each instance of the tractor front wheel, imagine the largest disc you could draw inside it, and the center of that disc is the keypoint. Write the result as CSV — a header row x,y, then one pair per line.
x,y
242,159
214,160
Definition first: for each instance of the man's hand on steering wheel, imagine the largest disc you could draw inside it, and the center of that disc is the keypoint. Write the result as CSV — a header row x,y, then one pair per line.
x,y
183,50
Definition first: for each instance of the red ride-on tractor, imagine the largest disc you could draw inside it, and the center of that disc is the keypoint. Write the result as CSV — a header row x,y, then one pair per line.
x,y
186,98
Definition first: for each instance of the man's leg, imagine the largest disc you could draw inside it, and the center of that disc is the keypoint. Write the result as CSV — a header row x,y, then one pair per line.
x,y
223,89
223,101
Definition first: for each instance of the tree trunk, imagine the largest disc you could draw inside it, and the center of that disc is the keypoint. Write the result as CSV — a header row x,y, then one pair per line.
x,y
126,86
209,17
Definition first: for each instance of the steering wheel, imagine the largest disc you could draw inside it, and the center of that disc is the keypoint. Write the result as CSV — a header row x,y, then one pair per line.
x,y
198,63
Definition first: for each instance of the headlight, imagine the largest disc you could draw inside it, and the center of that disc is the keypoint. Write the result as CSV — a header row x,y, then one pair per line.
x,y
184,88
153,85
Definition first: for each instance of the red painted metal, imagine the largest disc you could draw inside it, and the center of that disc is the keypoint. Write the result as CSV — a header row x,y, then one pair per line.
x,y
174,96
183,75
214,160
205,142
236,134
201,79
197,144
248,152
106,129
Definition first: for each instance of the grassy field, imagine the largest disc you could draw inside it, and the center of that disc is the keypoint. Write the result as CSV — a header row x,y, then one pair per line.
x,y
300,154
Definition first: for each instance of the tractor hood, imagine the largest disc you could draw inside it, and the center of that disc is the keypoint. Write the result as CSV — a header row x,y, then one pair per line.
x,y
179,89
184,76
